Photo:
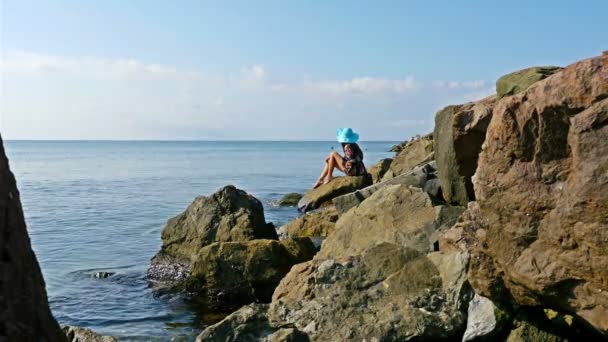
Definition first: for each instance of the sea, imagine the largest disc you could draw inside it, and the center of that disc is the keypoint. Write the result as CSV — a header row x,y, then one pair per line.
x,y
100,206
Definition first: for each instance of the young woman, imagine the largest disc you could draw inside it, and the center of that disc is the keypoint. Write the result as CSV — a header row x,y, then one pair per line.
x,y
352,162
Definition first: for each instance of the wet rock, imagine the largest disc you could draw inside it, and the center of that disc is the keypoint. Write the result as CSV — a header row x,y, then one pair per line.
x,y
316,223
379,169
103,275
416,152
243,272
542,191
323,195
458,136
390,293
418,177
77,334
24,307
517,82
290,200
395,213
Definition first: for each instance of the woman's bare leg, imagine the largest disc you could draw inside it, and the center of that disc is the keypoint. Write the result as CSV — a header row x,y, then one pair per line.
x,y
335,162
322,176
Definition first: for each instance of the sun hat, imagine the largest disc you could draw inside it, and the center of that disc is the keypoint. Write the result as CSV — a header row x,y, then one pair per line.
x,y
347,135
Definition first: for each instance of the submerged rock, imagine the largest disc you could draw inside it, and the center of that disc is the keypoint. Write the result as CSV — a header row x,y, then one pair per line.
x,y
517,82
243,272
317,223
458,136
323,195
397,214
103,275
78,334
24,309
541,233
290,200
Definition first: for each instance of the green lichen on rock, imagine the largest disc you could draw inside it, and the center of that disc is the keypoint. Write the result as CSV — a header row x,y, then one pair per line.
x,y
290,199
519,81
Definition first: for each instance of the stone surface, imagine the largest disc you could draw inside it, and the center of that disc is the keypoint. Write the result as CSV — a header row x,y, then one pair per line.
x,y
323,195
319,222
517,82
390,293
397,214
250,323
458,136
290,199
416,152
77,334
484,320
417,177
379,169
24,307
542,191
243,272
229,214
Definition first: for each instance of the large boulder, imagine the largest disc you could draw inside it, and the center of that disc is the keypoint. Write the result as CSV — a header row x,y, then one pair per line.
x,y
24,308
229,214
317,223
417,177
516,82
542,190
378,170
390,293
416,152
243,272
323,195
397,214
458,136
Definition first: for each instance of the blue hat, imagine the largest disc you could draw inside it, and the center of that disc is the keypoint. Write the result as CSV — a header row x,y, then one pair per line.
x,y
347,135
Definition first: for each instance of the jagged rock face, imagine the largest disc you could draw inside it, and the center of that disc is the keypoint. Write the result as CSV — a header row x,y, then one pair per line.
x,y
458,136
542,191
339,186
243,272
516,82
229,214
318,223
379,169
395,213
24,309
416,152
390,293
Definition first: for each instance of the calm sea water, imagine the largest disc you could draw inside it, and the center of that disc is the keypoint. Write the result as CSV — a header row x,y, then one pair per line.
x,y
100,206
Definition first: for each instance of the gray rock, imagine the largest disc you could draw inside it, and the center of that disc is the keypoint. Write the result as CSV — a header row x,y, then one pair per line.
x,y
103,275
78,334
324,194
482,321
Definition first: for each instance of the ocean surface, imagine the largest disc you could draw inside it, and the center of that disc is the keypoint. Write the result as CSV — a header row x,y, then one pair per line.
x,y
100,206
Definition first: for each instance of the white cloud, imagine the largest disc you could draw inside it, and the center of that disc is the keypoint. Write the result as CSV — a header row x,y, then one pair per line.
x,y
101,98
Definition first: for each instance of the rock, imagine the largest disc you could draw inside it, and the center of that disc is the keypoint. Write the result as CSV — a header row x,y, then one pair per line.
x,y
77,334
397,214
484,320
458,136
542,191
103,275
290,200
413,154
379,169
24,307
229,214
390,293
250,323
516,82
319,222
243,272
316,198
418,177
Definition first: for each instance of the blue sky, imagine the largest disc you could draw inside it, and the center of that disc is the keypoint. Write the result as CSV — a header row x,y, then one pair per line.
x,y
269,69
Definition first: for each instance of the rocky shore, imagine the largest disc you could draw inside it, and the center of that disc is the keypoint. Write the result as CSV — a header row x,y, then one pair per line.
x,y
494,227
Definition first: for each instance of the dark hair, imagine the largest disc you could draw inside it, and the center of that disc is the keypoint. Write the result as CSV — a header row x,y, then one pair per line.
x,y
356,149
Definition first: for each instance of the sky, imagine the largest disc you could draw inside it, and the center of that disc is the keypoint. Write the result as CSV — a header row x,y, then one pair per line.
x,y
269,70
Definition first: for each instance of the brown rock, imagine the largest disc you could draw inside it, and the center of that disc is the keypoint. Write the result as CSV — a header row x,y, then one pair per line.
x,y
416,152
24,307
458,136
395,213
319,222
542,190
77,334
316,198
379,169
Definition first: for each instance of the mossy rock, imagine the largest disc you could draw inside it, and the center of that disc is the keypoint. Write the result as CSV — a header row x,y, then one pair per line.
x,y
516,82
290,200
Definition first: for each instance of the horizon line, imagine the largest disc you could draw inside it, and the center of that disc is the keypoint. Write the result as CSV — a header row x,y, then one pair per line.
x,y
182,140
